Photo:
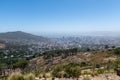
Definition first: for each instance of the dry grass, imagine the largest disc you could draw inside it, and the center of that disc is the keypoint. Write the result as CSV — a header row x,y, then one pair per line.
x,y
19,76
16,76
29,77
92,57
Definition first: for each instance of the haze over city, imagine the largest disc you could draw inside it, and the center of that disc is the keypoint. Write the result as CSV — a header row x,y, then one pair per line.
x,y
59,16
59,39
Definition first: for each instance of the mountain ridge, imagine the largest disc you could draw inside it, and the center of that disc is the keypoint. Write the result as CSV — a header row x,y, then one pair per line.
x,y
17,35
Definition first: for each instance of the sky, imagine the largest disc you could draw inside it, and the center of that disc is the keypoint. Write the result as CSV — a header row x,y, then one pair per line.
x,y
59,16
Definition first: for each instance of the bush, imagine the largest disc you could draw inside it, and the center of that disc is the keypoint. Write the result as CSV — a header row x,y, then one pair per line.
x,y
86,73
20,63
86,78
58,72
117,63
37,73
100,71
5,78
40,75
67,71
117,51
97,65
16,76
29,77
73,72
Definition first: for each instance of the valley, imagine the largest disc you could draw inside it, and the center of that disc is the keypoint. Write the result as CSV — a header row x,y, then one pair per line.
x,y
55,57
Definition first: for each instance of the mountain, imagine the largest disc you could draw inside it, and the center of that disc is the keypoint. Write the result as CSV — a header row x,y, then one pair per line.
x,y
19,35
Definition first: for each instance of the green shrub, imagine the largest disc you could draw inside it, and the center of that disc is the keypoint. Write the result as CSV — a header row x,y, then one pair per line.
x,y
117,51
57,72
97,65
117,63
73,72
86,78
5,78
20,63
101,71
86,73
37,73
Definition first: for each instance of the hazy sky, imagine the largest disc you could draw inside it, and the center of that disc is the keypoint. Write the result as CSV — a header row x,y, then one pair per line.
x,y
59,16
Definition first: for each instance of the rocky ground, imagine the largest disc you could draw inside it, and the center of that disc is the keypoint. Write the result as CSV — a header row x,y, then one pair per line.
x,y
88,77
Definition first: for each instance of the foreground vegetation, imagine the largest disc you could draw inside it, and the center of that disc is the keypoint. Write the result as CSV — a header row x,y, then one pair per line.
x,y
68,64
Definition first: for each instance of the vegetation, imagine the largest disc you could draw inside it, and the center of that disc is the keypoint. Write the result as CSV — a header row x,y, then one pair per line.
x,y
16,76
117,51
117,63
20,63
19,76
63,53
75,64
29,77
37,73
58,72
86,78
73,72
100,71
67,71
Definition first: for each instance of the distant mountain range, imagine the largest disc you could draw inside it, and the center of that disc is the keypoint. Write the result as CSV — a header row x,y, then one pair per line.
x,y
64,42
19,35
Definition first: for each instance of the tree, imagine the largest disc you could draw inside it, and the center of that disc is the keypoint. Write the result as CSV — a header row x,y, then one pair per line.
x,y
20,63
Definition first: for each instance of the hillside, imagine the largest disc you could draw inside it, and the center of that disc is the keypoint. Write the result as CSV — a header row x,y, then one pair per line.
x,y
19,35
87,58
54,63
